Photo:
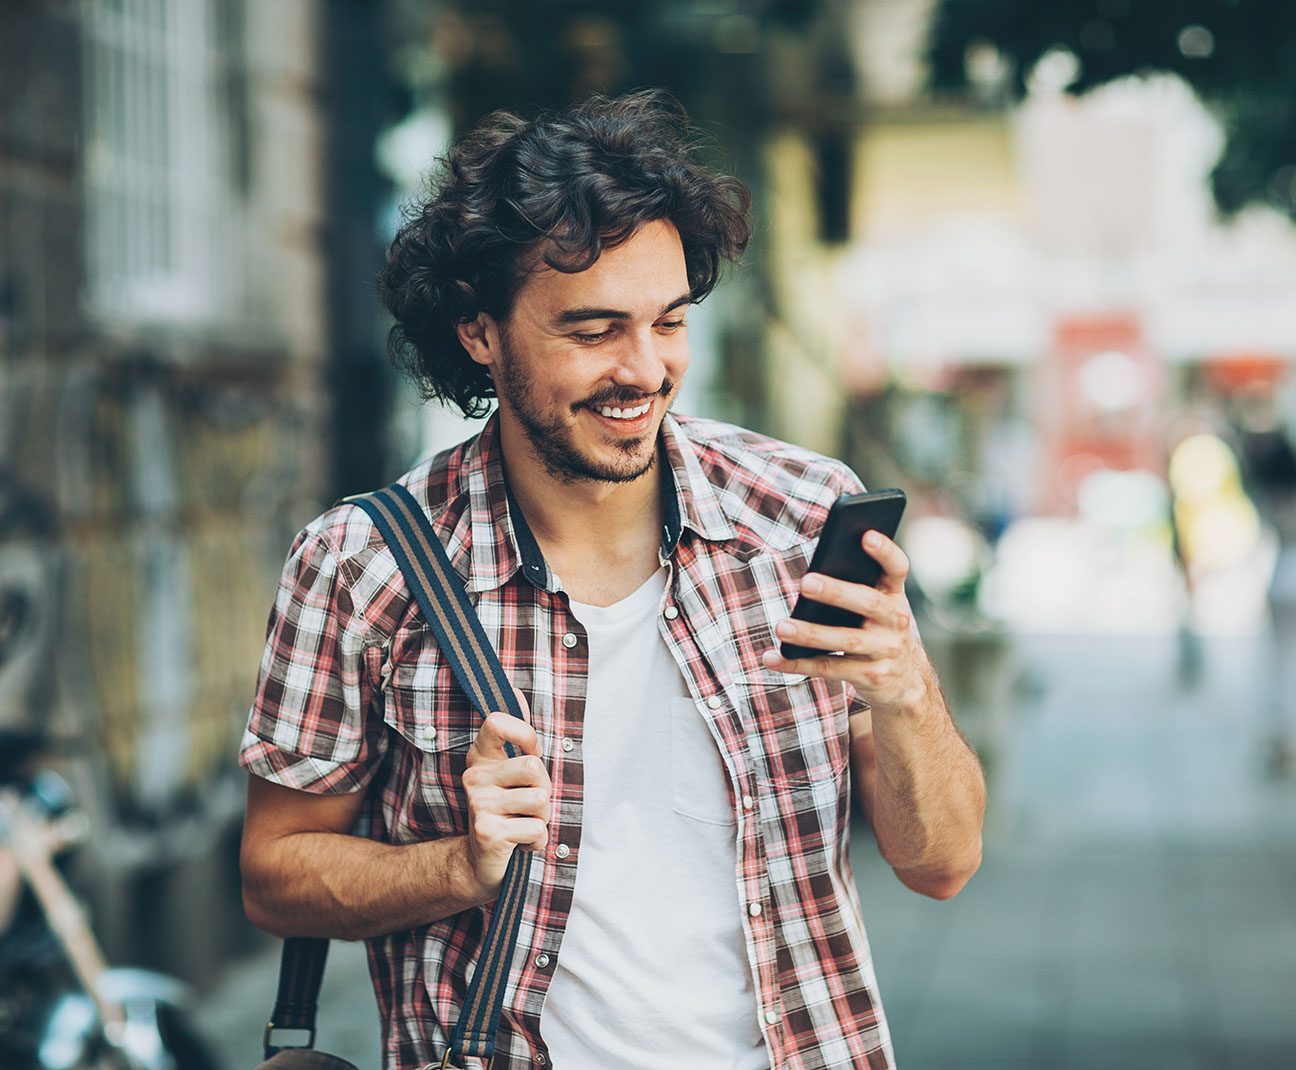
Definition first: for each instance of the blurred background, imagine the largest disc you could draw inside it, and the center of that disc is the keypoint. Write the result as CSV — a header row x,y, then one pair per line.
x,y
1035,263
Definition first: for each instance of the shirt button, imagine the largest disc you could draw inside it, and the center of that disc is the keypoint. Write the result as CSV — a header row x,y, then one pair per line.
x,y
541,961
670,612
562,850
427,734
771,1017
754,910
748,802
714,702
540,1059
569,640
569,745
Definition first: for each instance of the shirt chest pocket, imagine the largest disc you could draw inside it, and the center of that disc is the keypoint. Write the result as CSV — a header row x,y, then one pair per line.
x,y
804,731
431,725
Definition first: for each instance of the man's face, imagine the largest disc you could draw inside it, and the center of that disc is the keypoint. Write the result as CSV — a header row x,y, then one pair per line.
x,y
587,364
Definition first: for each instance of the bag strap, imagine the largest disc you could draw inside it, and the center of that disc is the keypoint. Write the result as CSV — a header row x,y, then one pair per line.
x,y
301,970
445,606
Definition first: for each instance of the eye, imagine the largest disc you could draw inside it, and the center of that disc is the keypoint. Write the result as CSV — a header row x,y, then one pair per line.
x,y
590,339
671,325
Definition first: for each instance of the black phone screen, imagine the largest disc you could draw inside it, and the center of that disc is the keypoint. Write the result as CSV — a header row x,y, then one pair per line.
x,y
839,554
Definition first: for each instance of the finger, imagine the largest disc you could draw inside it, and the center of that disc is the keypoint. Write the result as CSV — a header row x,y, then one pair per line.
x,y
825,665
883,608
499,728
520,801
868,643
894,562
522,772
529,832
830,667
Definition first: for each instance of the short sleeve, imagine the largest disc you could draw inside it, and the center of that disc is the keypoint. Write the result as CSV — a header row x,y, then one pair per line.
x,y
309,727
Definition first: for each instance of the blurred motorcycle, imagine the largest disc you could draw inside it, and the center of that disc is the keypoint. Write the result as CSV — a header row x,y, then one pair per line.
x,y
61,1007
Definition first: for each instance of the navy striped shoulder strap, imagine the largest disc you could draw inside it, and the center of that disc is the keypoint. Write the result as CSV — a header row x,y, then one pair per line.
x,y
445,606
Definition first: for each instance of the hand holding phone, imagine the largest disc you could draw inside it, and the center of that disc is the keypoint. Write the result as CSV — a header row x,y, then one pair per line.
x,y
840,554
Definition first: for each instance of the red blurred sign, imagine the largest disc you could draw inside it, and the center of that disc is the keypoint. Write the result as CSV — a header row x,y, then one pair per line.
x,y
1245,373
1099,403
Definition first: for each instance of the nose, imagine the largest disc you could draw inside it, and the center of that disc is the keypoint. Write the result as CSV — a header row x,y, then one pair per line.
x,y
641,361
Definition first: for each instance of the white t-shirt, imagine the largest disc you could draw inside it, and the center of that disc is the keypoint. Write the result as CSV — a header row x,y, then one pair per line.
x,y
653,967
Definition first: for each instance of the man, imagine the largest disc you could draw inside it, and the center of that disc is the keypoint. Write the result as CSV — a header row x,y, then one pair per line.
x,y
685,790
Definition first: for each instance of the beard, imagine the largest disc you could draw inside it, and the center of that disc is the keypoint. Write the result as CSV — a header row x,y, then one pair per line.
x,y
551,438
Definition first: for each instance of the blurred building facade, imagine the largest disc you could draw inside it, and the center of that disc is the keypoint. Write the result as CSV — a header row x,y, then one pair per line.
x,y
179,196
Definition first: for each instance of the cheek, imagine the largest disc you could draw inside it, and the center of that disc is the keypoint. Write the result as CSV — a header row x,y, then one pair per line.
x,y
676,358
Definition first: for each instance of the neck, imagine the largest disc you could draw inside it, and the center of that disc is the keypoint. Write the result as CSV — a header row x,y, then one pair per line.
x,y
602,539
563,512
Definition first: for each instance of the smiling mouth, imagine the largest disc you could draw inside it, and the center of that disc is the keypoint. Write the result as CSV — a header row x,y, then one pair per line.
x,y
613,412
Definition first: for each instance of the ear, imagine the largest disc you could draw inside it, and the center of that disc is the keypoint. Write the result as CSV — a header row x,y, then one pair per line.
x,y
480,338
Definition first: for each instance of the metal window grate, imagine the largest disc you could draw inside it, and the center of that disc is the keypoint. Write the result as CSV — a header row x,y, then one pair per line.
x,y
161,233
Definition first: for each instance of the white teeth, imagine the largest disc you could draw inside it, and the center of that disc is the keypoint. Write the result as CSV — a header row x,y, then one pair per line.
x,y
624,414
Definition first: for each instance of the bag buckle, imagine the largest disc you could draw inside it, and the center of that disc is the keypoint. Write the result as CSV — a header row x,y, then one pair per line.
x,y
446,1064
271,1048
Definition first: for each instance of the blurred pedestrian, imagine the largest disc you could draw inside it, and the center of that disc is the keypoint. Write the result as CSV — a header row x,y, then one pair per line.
x,y
1269,467
1216,533
687,790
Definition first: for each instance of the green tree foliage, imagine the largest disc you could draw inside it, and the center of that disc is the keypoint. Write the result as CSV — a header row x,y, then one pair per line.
x,y
1238,55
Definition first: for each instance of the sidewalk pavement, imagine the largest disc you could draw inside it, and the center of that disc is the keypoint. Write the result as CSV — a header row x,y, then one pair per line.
x,y
1135,910
1136,907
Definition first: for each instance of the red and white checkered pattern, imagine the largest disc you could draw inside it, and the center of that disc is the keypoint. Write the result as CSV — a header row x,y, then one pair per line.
x,y
354,693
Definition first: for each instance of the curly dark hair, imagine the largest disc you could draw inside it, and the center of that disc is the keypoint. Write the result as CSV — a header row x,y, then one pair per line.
x,y
560,189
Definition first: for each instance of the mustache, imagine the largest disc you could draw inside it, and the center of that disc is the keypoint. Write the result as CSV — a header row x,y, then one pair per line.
x,y
621,398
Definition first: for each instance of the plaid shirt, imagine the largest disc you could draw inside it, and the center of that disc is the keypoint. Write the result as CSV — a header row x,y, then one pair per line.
x,y
354,694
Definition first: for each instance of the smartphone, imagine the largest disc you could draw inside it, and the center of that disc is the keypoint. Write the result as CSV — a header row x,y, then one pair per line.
x,y
840,554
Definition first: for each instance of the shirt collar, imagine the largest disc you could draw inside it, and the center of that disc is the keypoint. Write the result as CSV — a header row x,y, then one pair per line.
x,y
691,500
502,542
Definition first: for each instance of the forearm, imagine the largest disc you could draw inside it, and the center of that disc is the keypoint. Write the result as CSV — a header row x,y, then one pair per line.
x,y
922,788
346,887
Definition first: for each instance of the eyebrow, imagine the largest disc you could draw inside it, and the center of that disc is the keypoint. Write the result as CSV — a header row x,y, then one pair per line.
x,y
582,315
